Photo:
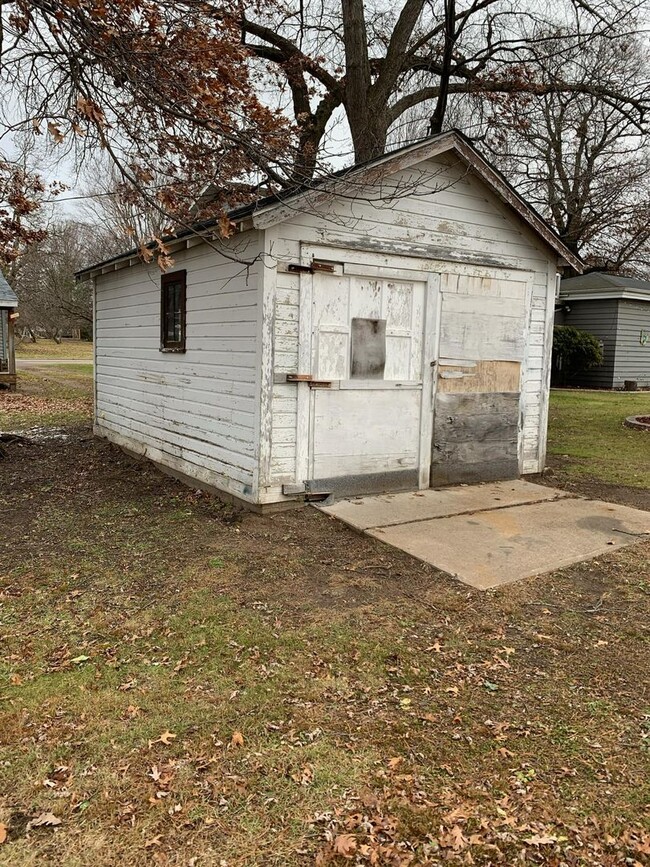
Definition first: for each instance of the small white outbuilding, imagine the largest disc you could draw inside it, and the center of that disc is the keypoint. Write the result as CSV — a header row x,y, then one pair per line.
x,y
389,329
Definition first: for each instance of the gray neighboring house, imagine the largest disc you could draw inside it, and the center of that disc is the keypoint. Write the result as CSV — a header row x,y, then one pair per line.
x,y
617,311
8,304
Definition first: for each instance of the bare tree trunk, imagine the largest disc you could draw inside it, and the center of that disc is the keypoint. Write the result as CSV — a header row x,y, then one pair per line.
x,y
438,116
367,101
357,75
368,123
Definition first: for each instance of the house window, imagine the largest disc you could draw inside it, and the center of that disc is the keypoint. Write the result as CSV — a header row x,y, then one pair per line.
x,y
172,312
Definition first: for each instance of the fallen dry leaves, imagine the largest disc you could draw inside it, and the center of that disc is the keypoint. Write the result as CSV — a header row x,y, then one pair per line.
x,y
11,402
165,738
345,845
368,831
47,819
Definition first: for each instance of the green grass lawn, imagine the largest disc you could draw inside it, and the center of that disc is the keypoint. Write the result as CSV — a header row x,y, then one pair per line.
x,y
69,368
181,684
587,427
49,349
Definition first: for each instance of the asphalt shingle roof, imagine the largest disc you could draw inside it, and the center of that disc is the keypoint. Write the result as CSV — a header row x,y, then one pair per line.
x,y
597,280
8,297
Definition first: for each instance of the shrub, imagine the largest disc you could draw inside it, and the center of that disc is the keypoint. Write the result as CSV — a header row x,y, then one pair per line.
x,y
574,351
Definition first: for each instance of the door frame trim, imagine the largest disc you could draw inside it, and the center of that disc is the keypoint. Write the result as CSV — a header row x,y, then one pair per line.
x,y
430,342
303,399
430,338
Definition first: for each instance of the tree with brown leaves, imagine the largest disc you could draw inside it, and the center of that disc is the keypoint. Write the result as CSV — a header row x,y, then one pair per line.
x,y
163,87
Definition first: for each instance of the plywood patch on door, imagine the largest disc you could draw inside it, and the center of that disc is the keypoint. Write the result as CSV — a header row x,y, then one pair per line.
x,y
480,377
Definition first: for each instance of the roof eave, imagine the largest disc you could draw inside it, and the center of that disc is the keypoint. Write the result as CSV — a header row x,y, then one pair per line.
x,y
271,213
603,295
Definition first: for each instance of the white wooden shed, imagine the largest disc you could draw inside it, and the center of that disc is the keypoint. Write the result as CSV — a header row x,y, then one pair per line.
x,y
389,329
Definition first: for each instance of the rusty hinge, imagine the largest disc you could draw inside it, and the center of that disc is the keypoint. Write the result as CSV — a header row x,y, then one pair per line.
x,y
295,268
311,382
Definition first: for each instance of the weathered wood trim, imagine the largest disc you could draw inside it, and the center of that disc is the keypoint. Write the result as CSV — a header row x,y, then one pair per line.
x,y
525,367
304,398
434,255
430,343
546,369
263,425
11,346
93,287
360,258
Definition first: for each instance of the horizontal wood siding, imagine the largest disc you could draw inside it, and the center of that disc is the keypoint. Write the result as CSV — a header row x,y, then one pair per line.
x,y
598,317
438,207
195,412
632,355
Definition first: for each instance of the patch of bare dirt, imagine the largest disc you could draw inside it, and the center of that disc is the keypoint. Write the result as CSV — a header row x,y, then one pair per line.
x,y
595,489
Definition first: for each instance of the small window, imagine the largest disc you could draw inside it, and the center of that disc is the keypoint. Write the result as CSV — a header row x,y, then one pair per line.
x,y
172,312
368,349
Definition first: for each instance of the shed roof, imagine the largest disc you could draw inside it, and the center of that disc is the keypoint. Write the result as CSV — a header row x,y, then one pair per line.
x,y
270,210
8,297
600,286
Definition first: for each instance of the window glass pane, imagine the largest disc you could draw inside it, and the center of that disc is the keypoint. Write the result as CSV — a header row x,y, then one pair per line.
x,y
173,299
368,356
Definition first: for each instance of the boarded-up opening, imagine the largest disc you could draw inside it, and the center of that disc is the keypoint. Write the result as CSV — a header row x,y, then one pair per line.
x,y
482,344
479,377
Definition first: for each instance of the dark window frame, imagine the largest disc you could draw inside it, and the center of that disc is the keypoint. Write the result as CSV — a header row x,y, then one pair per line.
x,y
167,345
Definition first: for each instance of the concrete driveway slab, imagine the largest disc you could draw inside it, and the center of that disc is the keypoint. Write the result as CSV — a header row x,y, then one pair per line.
x,y
494,534
491,548
386,510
